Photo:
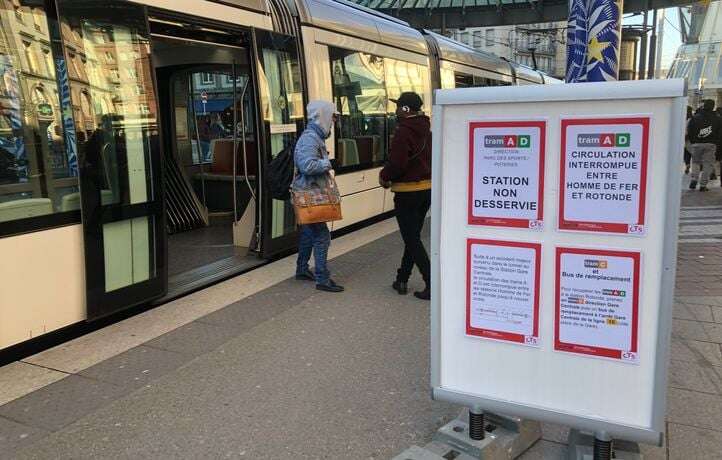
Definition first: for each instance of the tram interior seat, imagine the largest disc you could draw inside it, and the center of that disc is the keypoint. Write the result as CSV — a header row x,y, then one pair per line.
x,y
28,207
366,147
218,182
71,201
222,154
348,152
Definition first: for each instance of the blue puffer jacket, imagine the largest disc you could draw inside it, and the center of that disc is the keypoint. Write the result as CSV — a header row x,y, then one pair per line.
x,y
310,155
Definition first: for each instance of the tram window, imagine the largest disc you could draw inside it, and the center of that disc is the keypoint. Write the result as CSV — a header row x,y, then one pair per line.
x,y
359,93
117,126
403,76
463,80
38,167
487,81
447,79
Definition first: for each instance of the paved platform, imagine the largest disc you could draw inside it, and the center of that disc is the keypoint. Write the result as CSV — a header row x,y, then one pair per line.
x,y
263,366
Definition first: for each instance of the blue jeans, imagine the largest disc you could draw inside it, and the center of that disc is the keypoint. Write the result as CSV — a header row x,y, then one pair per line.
x,y
314,237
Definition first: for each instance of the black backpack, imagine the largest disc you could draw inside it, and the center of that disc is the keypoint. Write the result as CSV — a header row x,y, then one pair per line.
x,y
280,173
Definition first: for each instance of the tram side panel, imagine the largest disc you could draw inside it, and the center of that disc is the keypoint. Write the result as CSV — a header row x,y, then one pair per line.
x,y
43,287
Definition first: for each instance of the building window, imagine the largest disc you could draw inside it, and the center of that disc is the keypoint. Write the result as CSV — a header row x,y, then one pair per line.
x,y
38,174
50,65
229,79
489,37
478,39
464,37
207,78
38,17
30,56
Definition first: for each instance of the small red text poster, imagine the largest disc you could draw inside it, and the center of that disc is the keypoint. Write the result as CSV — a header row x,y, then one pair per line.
x,y
502,290
506,173
603,177
597,303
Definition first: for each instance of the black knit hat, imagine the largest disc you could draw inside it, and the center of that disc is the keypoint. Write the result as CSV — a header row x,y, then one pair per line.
x,y
409,99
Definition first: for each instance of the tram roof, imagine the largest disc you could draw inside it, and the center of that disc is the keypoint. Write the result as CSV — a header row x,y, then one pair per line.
x,y
451,50
348,18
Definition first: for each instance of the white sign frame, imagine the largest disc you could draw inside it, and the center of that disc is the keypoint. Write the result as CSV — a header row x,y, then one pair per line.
x,y
540,383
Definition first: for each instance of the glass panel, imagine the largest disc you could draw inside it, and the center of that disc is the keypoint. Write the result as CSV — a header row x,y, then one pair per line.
x,y
447,79
38,167
115,112
696,72
127,244
402,76
282,112
463,80
359,92
209,112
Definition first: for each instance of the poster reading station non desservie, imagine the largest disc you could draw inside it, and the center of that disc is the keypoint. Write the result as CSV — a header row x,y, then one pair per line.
x,y
506,160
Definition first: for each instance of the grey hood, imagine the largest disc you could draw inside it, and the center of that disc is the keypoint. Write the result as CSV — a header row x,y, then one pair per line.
x,y
321,113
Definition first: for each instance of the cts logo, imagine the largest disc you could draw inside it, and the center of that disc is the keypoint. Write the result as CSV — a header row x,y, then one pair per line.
x,y
509,141
603,140
595,263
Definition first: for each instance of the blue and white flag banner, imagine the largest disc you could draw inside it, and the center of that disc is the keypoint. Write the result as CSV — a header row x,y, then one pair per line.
x,y
577,41
593,40
10,109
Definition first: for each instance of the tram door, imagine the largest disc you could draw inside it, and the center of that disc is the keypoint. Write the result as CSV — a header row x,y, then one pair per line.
x,y
280,90
108,95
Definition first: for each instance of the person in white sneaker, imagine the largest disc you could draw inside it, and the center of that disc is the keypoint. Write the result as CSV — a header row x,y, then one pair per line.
x,y
703,130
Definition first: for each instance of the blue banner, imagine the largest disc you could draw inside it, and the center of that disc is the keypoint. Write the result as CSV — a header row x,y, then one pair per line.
x,y
577,41
10,109
66,107
593,40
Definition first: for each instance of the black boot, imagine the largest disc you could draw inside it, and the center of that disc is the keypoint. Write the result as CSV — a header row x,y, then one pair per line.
x,y
423,295
329,286
400,287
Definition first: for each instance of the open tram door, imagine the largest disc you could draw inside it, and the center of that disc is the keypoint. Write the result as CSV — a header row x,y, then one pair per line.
x,y
111,117
281,115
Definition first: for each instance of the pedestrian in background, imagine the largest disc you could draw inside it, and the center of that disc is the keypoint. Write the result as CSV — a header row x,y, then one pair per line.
x,y
313,171
703,130
408,173
687,154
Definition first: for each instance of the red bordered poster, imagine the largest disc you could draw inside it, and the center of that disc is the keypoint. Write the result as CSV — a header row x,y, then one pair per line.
x,y
597,303
603,175
502,290
506,173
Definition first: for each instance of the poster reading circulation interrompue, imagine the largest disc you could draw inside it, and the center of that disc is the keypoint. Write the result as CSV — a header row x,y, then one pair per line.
x,y
502,298
603,177
597,303
506,178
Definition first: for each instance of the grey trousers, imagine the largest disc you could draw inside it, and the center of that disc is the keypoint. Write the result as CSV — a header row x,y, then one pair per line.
x,y
702,155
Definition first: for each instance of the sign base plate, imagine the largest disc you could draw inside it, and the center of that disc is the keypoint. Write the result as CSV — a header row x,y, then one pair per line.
x,y
581,447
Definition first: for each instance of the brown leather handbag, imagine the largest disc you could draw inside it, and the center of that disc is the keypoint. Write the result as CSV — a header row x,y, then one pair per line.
x,y
317,205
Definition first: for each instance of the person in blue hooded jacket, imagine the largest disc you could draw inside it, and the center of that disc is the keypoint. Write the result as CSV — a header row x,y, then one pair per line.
x,y
313,172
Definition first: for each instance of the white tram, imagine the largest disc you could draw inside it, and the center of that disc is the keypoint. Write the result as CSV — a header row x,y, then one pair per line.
x,y
135,135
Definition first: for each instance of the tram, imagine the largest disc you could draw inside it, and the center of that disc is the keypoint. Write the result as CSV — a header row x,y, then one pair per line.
x,y
135,136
